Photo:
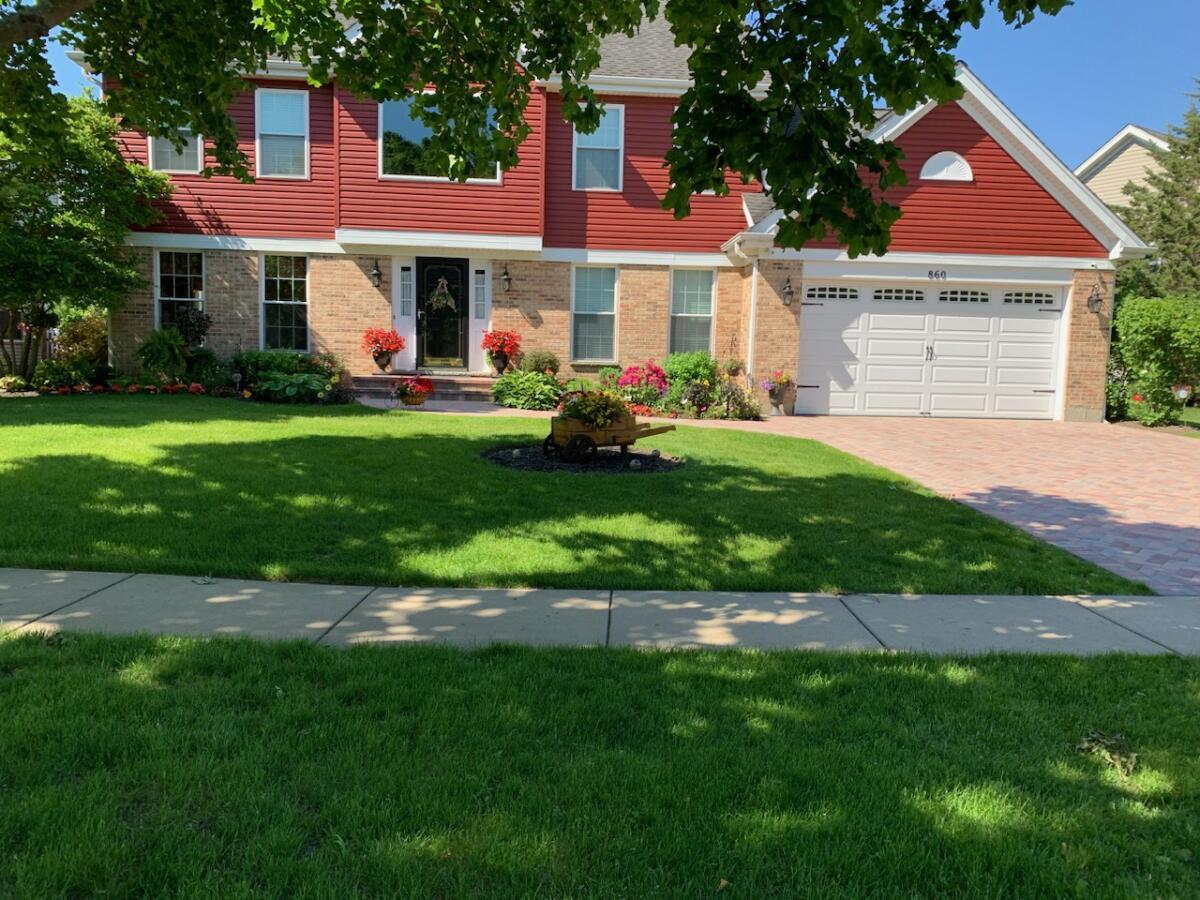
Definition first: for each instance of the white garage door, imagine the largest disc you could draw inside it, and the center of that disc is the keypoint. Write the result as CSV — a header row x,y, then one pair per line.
x,y
987,351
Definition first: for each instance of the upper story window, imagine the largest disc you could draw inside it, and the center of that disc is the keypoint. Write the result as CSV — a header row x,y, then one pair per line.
x,y
598,157
165,158
404,150
281,133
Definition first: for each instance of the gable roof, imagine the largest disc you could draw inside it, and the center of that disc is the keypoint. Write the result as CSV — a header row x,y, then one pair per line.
x,y
1118,144
650,53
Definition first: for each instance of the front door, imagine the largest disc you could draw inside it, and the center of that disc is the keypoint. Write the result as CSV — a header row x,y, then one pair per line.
x,y
442,313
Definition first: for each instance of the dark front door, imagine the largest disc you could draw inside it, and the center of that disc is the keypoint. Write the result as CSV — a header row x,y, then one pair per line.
x,y
442,313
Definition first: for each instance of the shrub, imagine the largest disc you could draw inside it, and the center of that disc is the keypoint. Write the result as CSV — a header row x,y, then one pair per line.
x,y
1160,350
206,368
540,361
13,384
84,339
643,385
731,401
527,390
254,365
696,397
1116,389
193,324
684,369
580,383
164,354
608,378
58,373
599,409
296,387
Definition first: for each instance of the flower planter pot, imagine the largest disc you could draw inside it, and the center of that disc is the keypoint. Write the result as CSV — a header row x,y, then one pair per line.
x,y
783,400
413,399
499,361
383,360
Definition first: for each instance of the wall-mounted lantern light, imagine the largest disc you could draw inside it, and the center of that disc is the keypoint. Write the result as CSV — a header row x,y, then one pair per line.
x,y
376,275
1095,299
505,279
788,292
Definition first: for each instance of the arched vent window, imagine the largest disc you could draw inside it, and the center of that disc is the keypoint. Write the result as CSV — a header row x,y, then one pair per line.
x,y
946,166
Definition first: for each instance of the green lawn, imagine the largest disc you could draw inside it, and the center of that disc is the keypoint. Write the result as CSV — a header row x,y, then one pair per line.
x,y
141,767
1191,417
198,486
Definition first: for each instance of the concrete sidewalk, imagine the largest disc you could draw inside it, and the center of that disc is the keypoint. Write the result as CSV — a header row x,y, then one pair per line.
x,y
117,603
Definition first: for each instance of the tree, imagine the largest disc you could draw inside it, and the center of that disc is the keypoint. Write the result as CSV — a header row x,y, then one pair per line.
x,y
64,214
1166,212
783,87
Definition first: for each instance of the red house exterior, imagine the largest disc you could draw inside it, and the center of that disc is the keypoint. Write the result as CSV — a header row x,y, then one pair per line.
x,y
993,301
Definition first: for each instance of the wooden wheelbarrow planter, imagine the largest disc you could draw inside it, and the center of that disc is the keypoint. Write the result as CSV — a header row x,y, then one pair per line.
x,y
578,441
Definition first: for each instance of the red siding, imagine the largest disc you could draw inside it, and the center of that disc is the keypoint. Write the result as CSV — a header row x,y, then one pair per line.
x,y
633,219
512,207
267,208
1003,211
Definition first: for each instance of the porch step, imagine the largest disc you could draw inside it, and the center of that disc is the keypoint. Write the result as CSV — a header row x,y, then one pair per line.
x,y
460,388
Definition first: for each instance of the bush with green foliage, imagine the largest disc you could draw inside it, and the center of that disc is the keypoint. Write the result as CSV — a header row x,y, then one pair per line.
x,y
13,384
294,387
255,365
204,367
1159,350
59,373
83,339
527,390
540,361
731,401
581,383
163,354
599,409
609,378
684,369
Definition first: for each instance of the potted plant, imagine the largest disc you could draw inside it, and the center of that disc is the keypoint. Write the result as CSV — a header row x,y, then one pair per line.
x,y
382,344
413,390
780,390
501,346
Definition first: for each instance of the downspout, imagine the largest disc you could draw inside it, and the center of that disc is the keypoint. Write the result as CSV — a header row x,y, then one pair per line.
x,y
753,322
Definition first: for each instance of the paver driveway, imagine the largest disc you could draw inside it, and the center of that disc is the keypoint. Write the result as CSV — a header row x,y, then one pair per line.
x,y
1125,498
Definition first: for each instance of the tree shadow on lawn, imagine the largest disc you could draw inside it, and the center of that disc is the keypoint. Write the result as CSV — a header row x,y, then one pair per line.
x,y
425,509
512,772
142,410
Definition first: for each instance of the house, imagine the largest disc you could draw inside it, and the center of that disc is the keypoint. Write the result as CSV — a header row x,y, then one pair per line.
x,y
993,301
1127,156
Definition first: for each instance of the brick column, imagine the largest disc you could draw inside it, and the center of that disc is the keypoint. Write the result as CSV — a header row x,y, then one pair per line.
x,y
644,317
1087,347
777,327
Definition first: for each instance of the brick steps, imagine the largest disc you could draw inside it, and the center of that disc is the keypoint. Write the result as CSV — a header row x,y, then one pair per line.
x,y
459,388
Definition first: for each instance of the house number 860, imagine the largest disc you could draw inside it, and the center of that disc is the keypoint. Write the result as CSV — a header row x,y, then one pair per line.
x,y
937,274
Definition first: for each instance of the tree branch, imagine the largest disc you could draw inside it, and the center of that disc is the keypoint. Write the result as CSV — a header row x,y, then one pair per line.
x,y
28,22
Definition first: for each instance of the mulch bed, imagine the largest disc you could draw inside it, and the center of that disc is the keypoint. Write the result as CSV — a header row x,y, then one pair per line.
x,y
607,461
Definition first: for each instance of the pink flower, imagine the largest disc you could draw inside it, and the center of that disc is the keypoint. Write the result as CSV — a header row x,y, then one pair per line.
x,y
195,388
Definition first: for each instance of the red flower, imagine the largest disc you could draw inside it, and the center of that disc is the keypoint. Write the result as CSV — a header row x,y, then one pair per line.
x,y
63,390
382,340
506,342
1136,398
195,388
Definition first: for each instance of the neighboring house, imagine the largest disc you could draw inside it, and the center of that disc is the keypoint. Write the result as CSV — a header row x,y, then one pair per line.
x,y
1124,158
993,301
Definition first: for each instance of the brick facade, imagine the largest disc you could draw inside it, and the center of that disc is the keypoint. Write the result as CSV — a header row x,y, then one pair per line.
x,y
342,303
129,325
1088,336
776,325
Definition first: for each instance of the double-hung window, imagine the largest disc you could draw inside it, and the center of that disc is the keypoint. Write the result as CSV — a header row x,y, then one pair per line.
x,y
285,303
593,314
404,147
691,310
598,157
180,284
188,160
281,133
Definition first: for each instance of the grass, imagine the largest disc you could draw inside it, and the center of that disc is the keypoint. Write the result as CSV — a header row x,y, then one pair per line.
x,y
171,767
353,495
1191,419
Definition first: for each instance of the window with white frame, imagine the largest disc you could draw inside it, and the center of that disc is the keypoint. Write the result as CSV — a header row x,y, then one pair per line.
x,y
407,290
598,160
481,287
691,310
285,303
180,284
189,159
404,146
281,133
594,314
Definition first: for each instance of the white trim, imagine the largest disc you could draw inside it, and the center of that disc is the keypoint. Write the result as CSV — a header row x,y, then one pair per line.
x,y
476,326
434,179
405,325
150,139
449,240
620,148
158,298
262,302
752,330
946,259
1115,146
259,93
712,306
894,125
583,256
616,314
166,240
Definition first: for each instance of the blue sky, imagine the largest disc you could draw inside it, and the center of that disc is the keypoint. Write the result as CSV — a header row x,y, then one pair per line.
x,y
1076,78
